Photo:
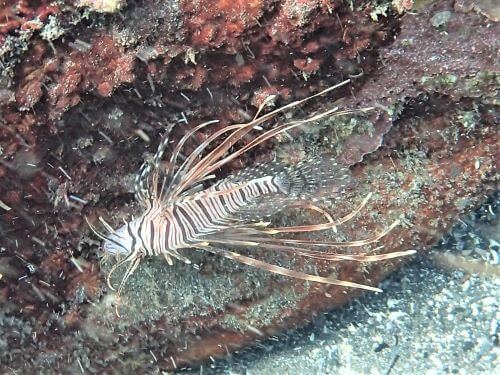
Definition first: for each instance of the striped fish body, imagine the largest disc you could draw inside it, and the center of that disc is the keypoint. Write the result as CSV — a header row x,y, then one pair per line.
x,y
221,207
180,224
246,197
177,215
165,229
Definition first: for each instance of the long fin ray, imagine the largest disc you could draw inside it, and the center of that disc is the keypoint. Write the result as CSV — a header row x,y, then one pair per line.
x,y
211,161
311,253
357,243
332,223
285,271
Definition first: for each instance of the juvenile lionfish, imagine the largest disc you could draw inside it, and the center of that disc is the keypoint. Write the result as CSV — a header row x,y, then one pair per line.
x,y
180,213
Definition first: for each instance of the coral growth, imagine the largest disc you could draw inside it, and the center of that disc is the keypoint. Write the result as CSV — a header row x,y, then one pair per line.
x,y
22,15
85,100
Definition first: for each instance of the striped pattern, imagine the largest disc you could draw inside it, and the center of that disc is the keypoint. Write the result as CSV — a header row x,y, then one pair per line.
x,y
164,230
229,213
245,197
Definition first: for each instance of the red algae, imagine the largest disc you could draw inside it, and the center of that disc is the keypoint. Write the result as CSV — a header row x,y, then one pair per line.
x,y
103,67
212,24
24,15
83,110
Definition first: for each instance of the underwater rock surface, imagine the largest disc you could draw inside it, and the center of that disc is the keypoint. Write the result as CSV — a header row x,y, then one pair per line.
x,y
86,92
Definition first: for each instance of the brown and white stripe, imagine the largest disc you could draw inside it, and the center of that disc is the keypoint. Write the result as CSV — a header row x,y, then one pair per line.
x,y
231,211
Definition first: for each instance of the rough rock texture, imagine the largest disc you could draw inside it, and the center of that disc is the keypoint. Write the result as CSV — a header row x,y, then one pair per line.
x,y
85,96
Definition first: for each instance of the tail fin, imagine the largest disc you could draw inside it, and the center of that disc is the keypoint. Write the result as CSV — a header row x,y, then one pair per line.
x,y
319,176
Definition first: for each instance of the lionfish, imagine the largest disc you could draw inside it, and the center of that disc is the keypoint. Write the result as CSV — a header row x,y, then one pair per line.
x,y
181,213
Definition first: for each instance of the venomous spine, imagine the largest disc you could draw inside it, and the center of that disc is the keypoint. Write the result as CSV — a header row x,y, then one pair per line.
x,y
181,213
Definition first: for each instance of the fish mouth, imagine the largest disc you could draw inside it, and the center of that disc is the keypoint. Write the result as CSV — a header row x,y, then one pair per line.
x,y
113,246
